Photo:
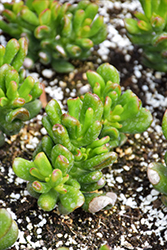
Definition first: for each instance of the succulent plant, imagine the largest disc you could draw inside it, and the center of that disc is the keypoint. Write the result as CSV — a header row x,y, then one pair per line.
x,y
157,172
122,112
18,94
68,162
8,229
78,145
149,31
56,32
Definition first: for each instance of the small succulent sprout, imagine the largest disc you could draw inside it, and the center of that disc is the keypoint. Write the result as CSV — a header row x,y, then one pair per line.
x,y
55,32
48,183
8,229
122,112
18,94
148,30
95,202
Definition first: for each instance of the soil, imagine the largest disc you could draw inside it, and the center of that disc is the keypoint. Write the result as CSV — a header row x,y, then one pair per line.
x,y
138,220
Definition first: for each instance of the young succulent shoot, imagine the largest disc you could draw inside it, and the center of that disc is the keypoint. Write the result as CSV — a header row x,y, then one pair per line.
x,y
8,229
157,172
18,93
149,31
56,32
73,152
122,112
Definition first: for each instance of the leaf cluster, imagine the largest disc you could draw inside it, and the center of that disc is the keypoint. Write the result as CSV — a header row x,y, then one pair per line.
x,y
18,93
55,32
149,31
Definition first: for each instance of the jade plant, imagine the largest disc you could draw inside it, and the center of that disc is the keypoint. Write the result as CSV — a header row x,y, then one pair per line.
x,y
122,112
18,93
56,32
8,229
67,164
157,172
149,31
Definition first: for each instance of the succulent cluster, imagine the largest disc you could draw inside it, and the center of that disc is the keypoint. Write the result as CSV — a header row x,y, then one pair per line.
x,y
8,230
18,93
157,172
67,163
122,112
149,31
56,32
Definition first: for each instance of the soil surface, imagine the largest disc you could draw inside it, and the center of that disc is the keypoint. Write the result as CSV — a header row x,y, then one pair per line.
x,y
138,220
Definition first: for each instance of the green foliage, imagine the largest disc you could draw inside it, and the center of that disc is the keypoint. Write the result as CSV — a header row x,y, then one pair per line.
x,y
56,32
8,230
122,112
157,172
149,31
18,94
67,164
48,182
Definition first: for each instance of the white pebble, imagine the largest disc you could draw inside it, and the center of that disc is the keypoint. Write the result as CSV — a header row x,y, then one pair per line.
x,y
48,73
39,230
119,179
154,192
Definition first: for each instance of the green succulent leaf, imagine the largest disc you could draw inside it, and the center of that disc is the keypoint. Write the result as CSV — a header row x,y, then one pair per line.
x,y
22,167
139,123
108,73
8,230
164,124
71,200
157,175
43,165
47,201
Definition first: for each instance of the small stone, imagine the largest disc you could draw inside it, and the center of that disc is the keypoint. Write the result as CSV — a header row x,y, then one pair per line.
x,y
119,179
48,73
99,235
84,89
154,192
